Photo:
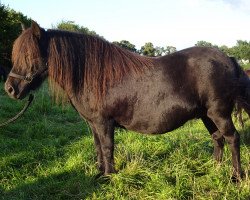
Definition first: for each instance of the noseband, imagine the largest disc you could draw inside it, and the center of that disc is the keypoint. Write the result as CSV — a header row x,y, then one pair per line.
x,y
29,77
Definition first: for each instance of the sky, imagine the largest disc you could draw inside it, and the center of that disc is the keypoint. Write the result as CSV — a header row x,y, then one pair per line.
x,y
178,23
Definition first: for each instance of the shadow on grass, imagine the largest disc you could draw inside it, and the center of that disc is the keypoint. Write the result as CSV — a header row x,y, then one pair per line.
x,y
22,155
39,140
66,185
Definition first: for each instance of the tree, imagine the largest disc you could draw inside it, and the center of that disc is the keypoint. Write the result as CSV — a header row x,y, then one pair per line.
x,y
148,49
203,43
170,49
10,28
159,51
243,49
126,45
71,26
226,50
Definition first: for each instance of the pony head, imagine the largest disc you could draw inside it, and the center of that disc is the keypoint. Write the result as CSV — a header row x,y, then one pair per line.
x,y
29,58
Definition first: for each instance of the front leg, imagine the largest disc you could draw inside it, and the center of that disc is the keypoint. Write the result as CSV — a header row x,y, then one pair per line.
x,y
98,148
105,137
103,132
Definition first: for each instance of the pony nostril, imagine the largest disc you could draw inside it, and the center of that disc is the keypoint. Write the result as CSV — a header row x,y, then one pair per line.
x,y
11,90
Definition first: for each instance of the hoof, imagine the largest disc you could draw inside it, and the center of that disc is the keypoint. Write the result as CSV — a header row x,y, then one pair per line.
x,y
110,172
236,178
105,175
99,175
102,179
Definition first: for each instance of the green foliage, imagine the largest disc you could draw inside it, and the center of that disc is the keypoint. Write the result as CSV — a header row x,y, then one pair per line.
x,y
159,51
148,49
71,26
169,50
226,49
247,66
242,50
126,45
203,43
49,154
10,28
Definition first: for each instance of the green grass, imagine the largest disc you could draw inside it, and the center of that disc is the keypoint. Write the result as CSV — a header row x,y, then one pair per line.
x,y
49,154
247,66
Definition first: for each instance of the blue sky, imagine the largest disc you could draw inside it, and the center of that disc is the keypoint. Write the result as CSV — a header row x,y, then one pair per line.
x,y
179,23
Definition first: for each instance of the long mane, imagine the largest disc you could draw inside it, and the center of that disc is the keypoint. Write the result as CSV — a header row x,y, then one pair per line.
x,y
82,63
79,63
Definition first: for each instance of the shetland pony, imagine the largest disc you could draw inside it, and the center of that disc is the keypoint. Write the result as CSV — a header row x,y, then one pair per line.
x,y
112,87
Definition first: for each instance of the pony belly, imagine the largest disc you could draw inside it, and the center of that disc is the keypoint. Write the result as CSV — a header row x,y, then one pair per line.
x,y
161,122
154,128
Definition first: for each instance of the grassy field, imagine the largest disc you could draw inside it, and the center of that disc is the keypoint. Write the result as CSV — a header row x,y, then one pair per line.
x,y
247,66
49,154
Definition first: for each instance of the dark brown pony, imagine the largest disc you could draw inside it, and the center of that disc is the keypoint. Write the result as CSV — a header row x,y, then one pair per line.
x,y
112,87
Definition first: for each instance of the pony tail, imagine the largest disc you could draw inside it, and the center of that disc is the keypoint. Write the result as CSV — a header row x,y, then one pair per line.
x,y
243,99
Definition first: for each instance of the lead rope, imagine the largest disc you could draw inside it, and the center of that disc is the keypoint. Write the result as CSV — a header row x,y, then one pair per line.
x,y
31,97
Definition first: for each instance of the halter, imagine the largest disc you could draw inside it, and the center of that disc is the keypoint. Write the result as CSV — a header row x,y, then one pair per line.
x,y
29,77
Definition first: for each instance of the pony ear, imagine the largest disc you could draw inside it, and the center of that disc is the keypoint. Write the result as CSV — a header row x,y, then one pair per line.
x,y
36,30
23,27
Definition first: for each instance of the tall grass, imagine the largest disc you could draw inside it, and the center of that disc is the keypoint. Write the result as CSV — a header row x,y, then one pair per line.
x,y
247,66
49,154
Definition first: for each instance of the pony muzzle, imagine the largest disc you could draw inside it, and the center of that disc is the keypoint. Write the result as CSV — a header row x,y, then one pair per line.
x,y
15,89
11,90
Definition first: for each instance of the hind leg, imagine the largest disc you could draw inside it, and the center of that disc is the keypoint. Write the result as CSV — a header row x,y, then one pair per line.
x,y
223,121
217,137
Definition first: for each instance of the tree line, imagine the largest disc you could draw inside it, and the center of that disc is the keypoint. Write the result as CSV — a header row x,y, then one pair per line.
x,y
241,50
10,28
